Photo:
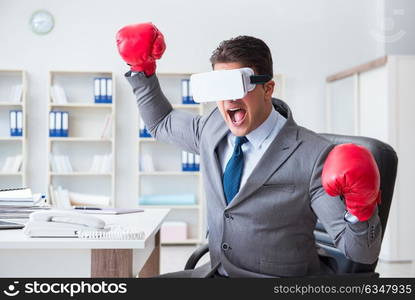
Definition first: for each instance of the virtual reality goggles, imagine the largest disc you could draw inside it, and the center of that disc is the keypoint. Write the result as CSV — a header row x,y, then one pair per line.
x,y
224,84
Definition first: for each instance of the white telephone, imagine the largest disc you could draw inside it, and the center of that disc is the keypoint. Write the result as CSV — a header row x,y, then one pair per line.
x,y
55,223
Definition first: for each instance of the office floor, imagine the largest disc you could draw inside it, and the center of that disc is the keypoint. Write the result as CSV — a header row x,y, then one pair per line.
x,y
173,258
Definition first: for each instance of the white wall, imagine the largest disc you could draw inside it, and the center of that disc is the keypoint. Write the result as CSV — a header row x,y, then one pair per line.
x,y
308,39
398,27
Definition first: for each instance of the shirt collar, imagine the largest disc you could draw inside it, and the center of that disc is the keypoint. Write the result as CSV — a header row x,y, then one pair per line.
x,y
260,134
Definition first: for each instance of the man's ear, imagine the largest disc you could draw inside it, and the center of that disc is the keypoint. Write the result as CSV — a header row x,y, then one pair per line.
x,y
269,89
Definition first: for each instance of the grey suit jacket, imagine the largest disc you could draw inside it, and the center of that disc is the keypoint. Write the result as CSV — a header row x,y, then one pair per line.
x,y
267,229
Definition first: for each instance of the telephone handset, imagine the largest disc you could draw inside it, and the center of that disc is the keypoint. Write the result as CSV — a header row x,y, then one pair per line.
x,y
68,218
55,223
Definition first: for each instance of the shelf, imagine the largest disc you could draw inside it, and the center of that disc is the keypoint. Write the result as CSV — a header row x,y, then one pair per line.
x,y
173,74
5,103
17,138
141,139
80,174
84,113
171,179
161,173
80,72
11,174
182,242
196,206
82,105
78,139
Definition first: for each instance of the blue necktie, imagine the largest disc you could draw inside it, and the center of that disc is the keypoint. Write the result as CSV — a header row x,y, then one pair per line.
x,y
233,171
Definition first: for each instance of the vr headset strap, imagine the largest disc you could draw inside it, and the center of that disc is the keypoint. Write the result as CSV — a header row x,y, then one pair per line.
x,y
255,79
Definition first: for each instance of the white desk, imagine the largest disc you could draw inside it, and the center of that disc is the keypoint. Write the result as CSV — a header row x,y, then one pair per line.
x,y
21,256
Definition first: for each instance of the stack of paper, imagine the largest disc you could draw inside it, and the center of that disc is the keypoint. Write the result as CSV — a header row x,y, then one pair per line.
x,y
101,164
60,164
58,94
19,203
12,164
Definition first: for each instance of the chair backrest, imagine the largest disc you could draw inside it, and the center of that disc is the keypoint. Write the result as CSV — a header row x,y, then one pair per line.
x,y
387,162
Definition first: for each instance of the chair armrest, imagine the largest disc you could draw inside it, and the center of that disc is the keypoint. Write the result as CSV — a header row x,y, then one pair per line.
x,y
196,256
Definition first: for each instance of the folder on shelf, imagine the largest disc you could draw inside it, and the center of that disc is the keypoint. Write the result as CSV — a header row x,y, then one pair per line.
x,y
109,90
13,122
185,91
52,124
19,123
191,161
143,133
103,90
190,94
65,123
168,199
97,90
197,163
185,161
58,123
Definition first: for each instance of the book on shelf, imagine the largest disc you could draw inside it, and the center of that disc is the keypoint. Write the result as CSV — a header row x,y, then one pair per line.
x,y
12,164
101,164
60,163
146,163
58,95
106,132
16,93
63,198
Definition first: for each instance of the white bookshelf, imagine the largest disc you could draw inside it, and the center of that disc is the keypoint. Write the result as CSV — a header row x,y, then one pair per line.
x,y
86,123
12,146
168,177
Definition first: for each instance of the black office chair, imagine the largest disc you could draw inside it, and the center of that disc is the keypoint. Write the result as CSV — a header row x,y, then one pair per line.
x,y
387,162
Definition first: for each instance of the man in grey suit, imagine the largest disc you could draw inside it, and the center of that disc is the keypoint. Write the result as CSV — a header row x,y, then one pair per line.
x,y
262,171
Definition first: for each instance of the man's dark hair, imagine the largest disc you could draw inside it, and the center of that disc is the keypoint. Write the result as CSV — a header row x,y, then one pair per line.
x,y
246,50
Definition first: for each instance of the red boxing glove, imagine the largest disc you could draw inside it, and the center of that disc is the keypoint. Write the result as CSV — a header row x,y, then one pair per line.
x,y
140,45
350,171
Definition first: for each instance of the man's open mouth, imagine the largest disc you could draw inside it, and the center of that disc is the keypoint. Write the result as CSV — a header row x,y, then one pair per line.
x,y
237,115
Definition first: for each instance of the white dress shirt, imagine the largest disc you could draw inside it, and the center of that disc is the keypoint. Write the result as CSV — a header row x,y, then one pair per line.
x,y
258,142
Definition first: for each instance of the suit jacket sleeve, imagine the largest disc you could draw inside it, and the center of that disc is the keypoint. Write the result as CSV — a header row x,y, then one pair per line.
x,y
165,123
359,242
